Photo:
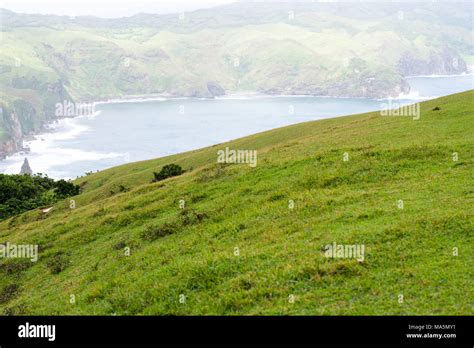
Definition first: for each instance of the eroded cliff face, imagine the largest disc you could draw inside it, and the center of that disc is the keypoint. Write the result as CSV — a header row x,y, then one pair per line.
x,y
15,141
8,147
446,62
26,116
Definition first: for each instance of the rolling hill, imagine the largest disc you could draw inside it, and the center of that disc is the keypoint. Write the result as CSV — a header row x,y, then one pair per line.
x,y
232,239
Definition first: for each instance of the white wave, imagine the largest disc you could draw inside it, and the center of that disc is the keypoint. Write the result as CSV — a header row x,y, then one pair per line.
x,y
131,100
91,116
43,162
412,95
437,76
250,96
64,129
241,96
44,154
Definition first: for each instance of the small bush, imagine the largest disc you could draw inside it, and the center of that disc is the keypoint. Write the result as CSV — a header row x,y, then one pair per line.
x,y
8,292
58,263
191,217
198,197
167,171
152,233
66,189
118,189
15,267
16,310
119,245
276,197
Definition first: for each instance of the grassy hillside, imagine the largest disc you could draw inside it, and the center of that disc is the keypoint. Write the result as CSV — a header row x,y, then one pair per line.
x,y
192,251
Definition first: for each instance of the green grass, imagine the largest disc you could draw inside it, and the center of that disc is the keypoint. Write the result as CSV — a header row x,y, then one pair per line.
x,y
191,251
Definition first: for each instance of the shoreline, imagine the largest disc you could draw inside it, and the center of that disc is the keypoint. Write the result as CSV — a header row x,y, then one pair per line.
x,y
138,98
237,95
467,73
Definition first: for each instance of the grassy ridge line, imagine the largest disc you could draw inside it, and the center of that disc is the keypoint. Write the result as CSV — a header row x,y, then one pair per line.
x,y
408,251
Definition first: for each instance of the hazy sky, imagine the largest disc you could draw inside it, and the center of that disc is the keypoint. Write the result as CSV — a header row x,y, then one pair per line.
x,y
107,8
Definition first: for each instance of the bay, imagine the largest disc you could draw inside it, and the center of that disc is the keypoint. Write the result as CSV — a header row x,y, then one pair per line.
x,y
121,132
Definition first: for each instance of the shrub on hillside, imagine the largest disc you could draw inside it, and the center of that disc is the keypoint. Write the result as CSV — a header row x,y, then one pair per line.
x,y
168,171
19,193
15,267
66,189
191,217
8,292
153,232
58,262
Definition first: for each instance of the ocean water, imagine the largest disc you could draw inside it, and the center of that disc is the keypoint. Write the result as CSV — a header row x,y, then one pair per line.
x,y
120,132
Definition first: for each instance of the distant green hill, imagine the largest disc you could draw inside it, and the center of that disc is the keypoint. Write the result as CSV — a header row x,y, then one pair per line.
x,y
237,247
358,50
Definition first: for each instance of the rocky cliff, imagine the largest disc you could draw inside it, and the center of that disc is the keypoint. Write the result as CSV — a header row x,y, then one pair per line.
x,y
14,141
28,114
446,62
